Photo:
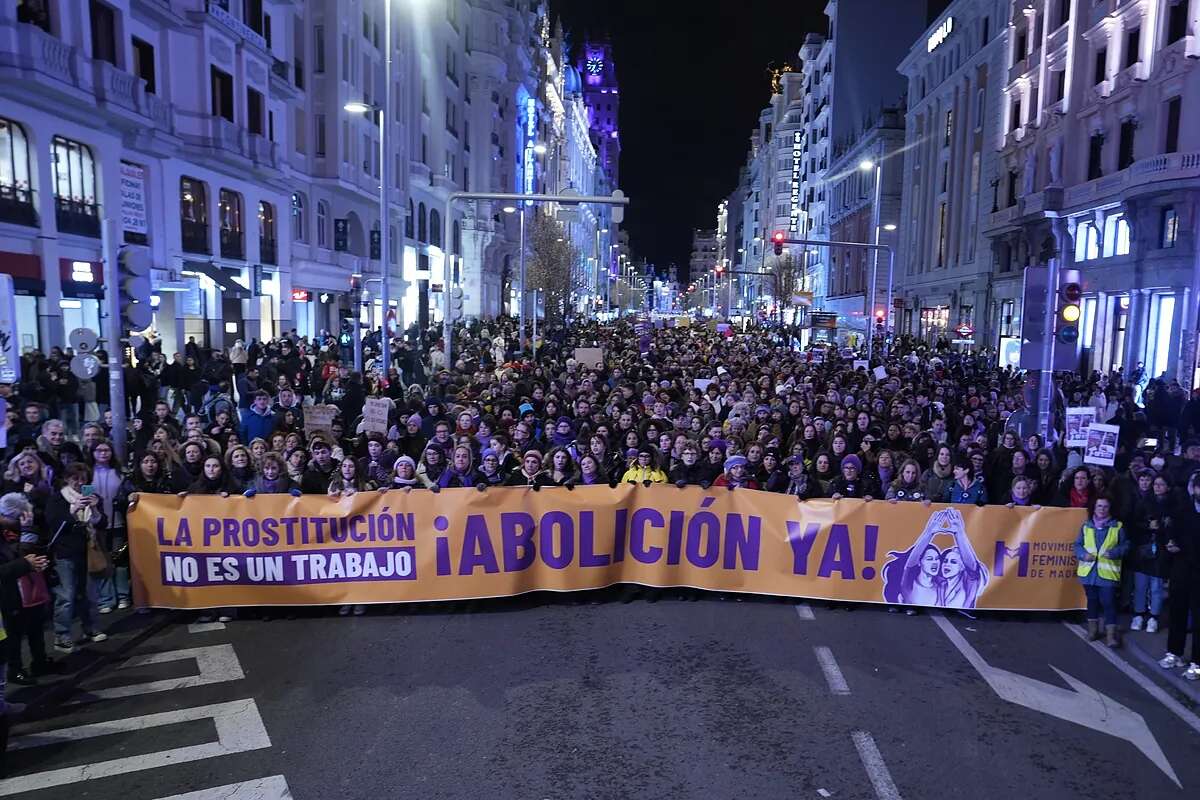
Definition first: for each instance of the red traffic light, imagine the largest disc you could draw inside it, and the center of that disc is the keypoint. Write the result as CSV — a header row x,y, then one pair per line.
x,y
779,236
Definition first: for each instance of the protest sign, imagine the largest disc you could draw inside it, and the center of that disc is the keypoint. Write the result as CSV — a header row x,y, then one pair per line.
x,y
1078,421
401,546
319,420
701,383
880,373
862,364
375,415
1101,447
589,357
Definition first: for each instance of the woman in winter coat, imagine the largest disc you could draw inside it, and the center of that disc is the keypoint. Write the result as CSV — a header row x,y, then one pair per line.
x,y
25,600
967,487
433,464
1183,546
1100,546
907,487
272,478
71,517
940,475
645,467
460,474
1152,525
107,478
689,471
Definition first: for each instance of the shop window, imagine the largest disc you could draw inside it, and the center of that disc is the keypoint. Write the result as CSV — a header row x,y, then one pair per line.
x,y
299,218
1162,322
267,250
16,191
232,241
75,188
193,214
322,224
1170,227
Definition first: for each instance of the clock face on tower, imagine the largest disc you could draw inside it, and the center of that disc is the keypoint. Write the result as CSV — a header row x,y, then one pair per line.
x,y
595,66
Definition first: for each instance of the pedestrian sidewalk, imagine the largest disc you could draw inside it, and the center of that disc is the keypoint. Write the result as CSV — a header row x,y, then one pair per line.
x,y
126,630
1145,649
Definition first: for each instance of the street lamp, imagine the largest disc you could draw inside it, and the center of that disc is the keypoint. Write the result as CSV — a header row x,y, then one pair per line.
x,y
891,226
385,265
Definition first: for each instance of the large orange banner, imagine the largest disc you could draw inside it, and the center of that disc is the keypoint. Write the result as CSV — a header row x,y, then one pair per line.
x,y
399,546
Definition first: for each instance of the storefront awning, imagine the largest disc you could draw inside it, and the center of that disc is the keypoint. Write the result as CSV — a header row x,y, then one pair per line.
x,y
223,278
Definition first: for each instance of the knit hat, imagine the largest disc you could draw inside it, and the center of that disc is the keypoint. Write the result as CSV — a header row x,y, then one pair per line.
x,y
533,453
735,461
489,453
853,461
13,504
414,419
526,408
405,460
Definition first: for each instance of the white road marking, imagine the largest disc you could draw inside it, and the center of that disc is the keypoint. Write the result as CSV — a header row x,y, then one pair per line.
x,y
205,627
833,673
216,664
1153,689
1080,704
804,611
239,729
877,771
272,788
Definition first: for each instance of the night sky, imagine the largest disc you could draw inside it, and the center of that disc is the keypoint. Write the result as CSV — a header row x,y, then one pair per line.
x,y
692,85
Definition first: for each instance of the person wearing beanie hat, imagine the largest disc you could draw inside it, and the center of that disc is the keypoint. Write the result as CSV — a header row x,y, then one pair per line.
x,y
490,473
736,474
531,465
852,483
404,474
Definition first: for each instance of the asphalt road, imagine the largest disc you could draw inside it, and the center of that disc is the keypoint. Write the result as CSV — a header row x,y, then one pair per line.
x,y
543,699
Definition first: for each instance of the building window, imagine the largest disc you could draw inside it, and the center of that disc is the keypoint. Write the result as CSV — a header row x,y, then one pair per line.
x,y
1087,241
16,191
193,215
435,228
1133,43
941,251
1007,310
408,221
1064,12
1012,188
104,32
229,204
1116,236
34,12
393,245
1100,71
143,63
222,94
322,224
299,221
1125,144
949,126
422,224
1095,155
252,15
1170,226
1177,21
319,135
1021,46
318,49
1060,85
1174,113
254,111
1016,116
75,188
267,250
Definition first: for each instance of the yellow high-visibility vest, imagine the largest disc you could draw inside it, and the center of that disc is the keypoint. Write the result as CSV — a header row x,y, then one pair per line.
x,y
1110,568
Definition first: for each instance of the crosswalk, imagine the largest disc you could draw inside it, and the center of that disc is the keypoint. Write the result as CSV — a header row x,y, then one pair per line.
x,y
106,742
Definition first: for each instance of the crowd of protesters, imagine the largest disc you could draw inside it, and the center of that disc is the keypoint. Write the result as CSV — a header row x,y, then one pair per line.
x,y
672,404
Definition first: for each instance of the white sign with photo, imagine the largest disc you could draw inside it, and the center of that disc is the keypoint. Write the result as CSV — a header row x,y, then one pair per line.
x,y
133,198
375,415
1101,447
1078,421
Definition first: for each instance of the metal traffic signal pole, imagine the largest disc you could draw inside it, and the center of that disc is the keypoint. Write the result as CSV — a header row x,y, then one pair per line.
x,y
115,329
617,198
891,251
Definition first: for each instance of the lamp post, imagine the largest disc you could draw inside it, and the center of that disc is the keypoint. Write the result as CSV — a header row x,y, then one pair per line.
x,y
867,165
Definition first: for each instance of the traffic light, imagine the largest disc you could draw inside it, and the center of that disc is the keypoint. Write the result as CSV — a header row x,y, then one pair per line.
x,y
1070,292
720,271
880,316
778,238
133,265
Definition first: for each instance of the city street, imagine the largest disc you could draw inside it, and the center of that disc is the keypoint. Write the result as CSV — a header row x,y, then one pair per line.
x,y
543,698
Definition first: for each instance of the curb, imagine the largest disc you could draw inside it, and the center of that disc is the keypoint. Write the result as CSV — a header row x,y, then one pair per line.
x,y
1148,659
62,689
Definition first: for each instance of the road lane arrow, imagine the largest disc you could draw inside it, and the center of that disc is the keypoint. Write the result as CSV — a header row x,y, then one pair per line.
x,y
1080,704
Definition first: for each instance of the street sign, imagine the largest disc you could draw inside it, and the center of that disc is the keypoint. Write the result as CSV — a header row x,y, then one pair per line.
x,y
83,340
618,211
965,331
85,366
436,288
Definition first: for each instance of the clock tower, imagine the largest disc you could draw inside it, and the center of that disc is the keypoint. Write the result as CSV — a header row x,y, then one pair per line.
x,y
601,95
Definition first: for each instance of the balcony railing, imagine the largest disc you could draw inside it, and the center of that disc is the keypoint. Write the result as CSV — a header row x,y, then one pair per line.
x,y
16,206
232,245
77,217
267,251
195,237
